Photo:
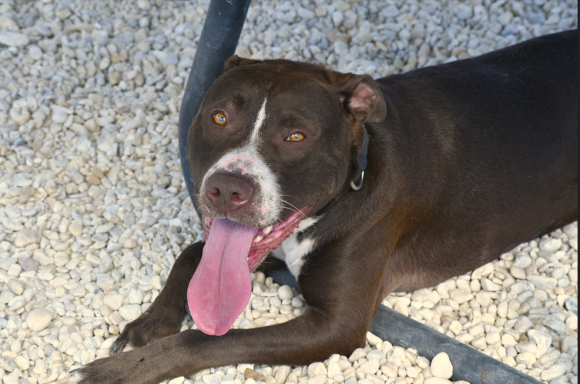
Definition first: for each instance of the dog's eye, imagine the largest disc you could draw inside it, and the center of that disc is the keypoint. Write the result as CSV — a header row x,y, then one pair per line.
x,y
296,136
219,118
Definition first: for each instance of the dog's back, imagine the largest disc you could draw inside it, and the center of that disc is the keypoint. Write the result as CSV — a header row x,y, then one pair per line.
x,y
498,164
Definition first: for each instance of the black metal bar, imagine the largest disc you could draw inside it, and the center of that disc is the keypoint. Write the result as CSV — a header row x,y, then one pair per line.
x,y
468,364
219,39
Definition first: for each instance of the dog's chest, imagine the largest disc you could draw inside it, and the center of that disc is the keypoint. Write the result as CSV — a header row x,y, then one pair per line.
x,y
294,251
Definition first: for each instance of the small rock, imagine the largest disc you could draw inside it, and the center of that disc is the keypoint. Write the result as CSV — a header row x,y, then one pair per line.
x,y
26,237
130,312
370,367
390,11
441,366
523,324
357,354
16,286
542,282
7,364
571,304
35,53
13,39
389,370
76,228
490,286
316,369
27,264
461,295
7,23
114,301
554,371
373,339
285,292
542,340
551,244
212,379
59,117
526,358
144,4
523,260
38,319
251,374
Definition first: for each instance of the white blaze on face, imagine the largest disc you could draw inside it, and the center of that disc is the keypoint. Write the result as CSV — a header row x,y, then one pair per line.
x,y
254,139
247,161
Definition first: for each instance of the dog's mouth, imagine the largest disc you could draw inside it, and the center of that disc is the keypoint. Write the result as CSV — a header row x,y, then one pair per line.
x,y
266,239
221,286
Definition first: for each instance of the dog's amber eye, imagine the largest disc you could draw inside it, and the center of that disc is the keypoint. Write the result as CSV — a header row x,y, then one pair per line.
x,y
296,136
219,118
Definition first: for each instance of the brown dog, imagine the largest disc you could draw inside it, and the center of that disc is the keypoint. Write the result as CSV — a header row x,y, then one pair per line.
x,y
465,161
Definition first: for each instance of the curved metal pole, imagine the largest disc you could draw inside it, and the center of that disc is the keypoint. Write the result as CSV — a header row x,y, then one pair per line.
x,y
219,39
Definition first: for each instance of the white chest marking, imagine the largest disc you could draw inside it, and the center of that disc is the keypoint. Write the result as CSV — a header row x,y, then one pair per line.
x,y
294,252
258,123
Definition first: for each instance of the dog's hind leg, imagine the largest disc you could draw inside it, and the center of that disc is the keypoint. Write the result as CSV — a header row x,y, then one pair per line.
x,y
165,315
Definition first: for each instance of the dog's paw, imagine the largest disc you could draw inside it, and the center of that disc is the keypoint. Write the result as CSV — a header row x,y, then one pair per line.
x,y
152,325
124,368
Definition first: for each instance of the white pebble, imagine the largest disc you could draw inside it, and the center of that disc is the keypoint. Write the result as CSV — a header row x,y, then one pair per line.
x,y
38,319
441,366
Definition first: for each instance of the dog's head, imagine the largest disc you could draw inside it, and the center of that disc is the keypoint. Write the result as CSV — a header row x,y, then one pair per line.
x,y
273,142
275,137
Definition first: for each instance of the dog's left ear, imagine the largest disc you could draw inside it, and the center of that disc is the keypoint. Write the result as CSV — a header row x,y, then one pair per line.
x,y
236,61
362,97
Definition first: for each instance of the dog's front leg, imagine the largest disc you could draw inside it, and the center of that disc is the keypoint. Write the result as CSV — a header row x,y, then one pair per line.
x,y
341,297
165,315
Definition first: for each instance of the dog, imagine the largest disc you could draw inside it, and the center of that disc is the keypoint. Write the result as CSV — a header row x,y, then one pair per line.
x,y
362,187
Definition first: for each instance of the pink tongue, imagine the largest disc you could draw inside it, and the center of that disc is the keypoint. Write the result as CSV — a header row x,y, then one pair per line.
x,y
221,286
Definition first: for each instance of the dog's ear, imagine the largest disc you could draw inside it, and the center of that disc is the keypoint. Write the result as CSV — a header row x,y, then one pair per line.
x,y
362,97
236,61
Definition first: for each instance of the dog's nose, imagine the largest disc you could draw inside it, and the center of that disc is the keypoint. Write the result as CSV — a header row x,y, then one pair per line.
x,y
229,192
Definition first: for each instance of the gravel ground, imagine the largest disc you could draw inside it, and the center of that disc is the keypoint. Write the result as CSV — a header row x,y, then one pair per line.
x,y
94,211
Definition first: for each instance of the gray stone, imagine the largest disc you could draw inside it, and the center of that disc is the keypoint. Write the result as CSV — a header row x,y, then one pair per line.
x,y
554,371
59,117
7,364
390,11
542,282
13,39
27,264
571,304
463,11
